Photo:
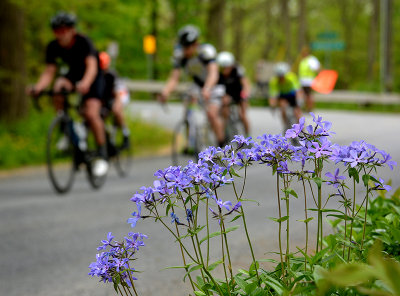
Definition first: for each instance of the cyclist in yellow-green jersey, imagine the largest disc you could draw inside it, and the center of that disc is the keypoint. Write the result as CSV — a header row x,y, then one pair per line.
x,y
308,69
284,87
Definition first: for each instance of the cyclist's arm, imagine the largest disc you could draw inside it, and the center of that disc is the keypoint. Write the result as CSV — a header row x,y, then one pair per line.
x,y
246,87
89,76
172,82
212,76
46,78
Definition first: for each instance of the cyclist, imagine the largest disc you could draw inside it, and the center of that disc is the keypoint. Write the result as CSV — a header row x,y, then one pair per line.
x,y
76,57
284,87
115,97
198,61
308,69
237,86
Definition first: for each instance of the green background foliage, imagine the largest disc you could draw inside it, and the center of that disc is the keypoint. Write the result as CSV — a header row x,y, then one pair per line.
x,y
128,21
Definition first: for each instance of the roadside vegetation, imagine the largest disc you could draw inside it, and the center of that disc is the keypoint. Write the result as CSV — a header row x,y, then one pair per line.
x,y
23,143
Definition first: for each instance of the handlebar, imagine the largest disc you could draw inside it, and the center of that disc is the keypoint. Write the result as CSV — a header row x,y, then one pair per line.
x,y
50,93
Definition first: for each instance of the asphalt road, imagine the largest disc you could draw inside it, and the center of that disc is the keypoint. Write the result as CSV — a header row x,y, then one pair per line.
x,y
48,241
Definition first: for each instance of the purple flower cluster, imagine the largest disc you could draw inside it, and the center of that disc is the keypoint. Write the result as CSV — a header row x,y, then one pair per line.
x,y
112,265
215,165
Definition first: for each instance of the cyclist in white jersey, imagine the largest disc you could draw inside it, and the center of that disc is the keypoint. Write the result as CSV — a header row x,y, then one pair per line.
x,y
198,61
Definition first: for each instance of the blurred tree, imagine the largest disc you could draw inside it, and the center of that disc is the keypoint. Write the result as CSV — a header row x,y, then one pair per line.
x,y
372,42
238,14
302,21
13,102
216,23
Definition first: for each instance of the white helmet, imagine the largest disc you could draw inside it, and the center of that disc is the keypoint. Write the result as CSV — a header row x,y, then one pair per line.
x,y
225,59
281,69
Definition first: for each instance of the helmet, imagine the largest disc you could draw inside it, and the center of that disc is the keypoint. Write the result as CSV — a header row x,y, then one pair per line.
x,y
225,59
63,19
281,69
104,60
188,35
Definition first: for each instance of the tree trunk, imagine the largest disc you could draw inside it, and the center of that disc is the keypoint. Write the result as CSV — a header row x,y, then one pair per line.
x,y
238,14
215,23
154,32
302,25
373,39
269,30
285,25
13,102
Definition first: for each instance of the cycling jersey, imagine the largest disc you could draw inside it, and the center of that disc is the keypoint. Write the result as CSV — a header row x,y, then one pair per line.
x,y
233,82
308,69
196,66
72,62
289,85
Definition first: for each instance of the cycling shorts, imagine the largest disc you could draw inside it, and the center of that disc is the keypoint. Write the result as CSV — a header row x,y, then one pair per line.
x,y
307,90
96,89
290,97
217,93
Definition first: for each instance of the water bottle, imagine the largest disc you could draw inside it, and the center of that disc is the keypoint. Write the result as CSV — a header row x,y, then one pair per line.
x,y
80,131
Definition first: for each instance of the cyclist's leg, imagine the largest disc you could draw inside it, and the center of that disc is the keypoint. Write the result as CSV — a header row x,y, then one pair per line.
x,y
213,110
61,83
225,109
283,104
243,104
118,112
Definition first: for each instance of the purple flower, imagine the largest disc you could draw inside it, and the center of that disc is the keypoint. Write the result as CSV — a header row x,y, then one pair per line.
x,y
296,130
320,149
334,179
107,242
136,215
355,159
225,204
381,185
233,159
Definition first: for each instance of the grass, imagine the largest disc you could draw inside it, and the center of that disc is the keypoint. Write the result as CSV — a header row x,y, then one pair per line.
x,y
369,107
23,143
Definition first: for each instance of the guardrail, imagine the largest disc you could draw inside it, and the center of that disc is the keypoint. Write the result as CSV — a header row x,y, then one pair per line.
x,y
153,86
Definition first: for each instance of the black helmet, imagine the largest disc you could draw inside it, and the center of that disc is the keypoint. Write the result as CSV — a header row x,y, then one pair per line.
x,y
63,19
188,35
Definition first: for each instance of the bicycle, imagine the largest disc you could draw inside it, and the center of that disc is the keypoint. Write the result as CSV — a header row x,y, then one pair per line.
x,y
233,124
68,146
191,135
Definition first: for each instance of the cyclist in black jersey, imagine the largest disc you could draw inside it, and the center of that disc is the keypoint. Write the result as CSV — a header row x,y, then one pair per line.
x,y
77,59
237,86
198,62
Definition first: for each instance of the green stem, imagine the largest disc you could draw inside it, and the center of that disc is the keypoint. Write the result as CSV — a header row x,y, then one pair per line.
x,y
247,232
352,220
305,217
286,184
227,249
280,226
223,252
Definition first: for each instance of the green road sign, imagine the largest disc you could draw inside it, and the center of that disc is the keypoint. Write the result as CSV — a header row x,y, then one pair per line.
x,y
328,45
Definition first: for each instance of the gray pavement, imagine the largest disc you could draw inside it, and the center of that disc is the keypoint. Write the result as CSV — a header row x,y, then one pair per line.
x,y
47,241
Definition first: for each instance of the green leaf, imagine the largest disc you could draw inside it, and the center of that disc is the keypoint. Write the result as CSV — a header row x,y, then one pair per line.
x,y
233,173
279,220
218,233
199,293
290,191
354,173
318,181
212,266
194,268
241,283
236,217
273,283
306,220
365,179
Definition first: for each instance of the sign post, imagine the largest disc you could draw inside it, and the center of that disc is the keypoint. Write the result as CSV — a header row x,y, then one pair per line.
x,y
328,41
150,48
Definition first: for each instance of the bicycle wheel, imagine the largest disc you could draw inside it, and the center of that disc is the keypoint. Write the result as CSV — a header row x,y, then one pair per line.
x,y
183,150
90,157
234,126
60,154
121,151
95,181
